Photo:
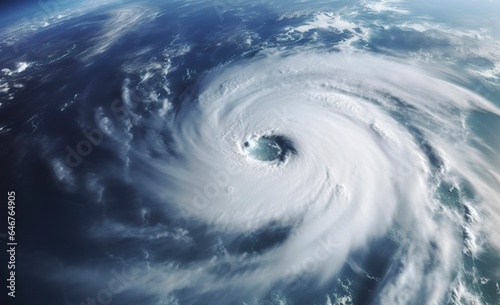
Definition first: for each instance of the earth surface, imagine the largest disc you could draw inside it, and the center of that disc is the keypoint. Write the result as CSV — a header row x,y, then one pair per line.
x,y
252,152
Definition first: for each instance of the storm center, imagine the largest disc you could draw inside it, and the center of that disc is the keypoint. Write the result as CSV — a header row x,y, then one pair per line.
x,y
268,148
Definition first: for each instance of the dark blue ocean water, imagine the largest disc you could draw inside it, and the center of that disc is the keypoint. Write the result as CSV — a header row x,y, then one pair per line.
x,y
64,93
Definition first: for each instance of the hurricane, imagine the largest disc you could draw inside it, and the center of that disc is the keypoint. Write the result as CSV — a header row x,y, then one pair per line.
x,y
341,154
284,171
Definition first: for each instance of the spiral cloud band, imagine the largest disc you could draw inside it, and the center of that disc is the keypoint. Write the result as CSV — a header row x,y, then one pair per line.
x,y
345,154
253,152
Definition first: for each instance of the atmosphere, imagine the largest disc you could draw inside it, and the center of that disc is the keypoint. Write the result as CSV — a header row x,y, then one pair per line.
x,y
250,152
